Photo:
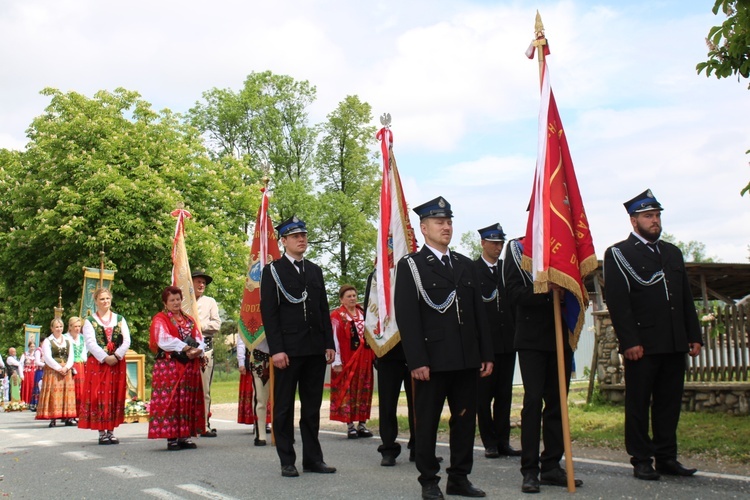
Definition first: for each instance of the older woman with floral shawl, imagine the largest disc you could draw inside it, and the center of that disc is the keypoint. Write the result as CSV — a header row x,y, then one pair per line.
x,y
351,371
177,409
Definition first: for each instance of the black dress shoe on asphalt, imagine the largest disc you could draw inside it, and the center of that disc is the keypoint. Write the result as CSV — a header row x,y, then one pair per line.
x,y
491,452
508,451
431,492
388,461
289,471
319,468
530,483
173,446
674,468
210,433
557,477
187,445
645,472
259,442
464,489
363,431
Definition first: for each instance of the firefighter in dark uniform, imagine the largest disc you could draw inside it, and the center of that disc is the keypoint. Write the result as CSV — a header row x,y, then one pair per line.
x,y
534,318
294,307
496,391
445,336
652,310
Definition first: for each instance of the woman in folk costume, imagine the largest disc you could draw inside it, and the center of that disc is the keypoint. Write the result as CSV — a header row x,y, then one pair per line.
x,y
58,397
351,372
253,404
36,378
107,339
177,406
29,370
79,357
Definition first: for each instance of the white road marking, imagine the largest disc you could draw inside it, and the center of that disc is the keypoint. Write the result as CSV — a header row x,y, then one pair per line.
x,y
163,494
81,455
126,471
45,443
204,492
22,435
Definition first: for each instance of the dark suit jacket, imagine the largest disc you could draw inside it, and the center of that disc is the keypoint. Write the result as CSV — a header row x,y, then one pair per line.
x,y
498,311
533,313
438,340
660,317
287,328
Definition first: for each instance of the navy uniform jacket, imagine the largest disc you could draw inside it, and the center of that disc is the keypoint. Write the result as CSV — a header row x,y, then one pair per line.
x,y
498,312
287,328
661,317
438,340
533,313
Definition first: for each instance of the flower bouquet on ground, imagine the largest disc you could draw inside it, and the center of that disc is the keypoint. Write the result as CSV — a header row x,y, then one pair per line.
x,y
136,410
15,406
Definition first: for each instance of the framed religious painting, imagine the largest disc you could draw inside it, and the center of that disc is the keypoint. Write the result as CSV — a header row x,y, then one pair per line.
x,y
136,376
31,332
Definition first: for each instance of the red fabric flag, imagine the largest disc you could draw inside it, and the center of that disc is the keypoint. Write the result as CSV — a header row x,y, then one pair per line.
x,y
264,249
395,239
558,247
181,276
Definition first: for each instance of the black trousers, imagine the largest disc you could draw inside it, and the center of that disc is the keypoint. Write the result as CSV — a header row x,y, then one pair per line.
x,y
460,388
391,375
539,372
307,372
494,397
656,381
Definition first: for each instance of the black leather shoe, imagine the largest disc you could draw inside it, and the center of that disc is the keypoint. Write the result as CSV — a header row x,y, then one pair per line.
x,y
530,483
508,451
674,468
319,468
210,433
557,477
464,489
173,446
431,492
645,472
289,471
388,461
491,452
363,431
187,445
259,442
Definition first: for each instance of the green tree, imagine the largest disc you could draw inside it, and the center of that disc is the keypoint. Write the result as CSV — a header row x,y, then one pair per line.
x,y
693,251
729,45
348,176
105,173
471,244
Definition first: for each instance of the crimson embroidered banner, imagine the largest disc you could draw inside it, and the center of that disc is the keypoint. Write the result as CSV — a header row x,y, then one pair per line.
x,y
558,247
395,239
264,249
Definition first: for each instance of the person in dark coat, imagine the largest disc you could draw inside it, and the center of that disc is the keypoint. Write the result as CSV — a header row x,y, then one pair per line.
x,y
294,308
445,336
496,391
653,313
534,340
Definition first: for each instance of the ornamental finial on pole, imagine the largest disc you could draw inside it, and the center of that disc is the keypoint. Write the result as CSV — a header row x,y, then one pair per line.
x,y
385,120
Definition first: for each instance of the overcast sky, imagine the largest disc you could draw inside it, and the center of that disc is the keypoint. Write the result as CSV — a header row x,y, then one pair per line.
x,y
453,75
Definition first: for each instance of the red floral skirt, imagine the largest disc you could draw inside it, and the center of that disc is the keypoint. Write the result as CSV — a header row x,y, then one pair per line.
x,y
245,403
351,390
80,383
27,385
58,397
177,408
103,404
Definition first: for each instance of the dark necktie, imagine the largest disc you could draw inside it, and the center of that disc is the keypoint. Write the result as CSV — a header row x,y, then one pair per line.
x,y
494,270
447,261
654,247
300,268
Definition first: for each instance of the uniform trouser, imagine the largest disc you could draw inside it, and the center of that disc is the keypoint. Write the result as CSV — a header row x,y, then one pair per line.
x,y
495,394
539,372
307,372
207,376
261,393
392,374
460,388
656,381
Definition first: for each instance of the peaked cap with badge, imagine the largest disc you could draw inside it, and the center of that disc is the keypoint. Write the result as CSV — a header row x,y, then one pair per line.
x,y
642,203
291,226
493,232
438,207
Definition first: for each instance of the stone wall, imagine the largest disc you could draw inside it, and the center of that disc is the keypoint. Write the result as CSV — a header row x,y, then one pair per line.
x,y
728,397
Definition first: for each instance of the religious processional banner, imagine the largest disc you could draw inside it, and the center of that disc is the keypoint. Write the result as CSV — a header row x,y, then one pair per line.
x,y
558,247
263,249
91,278
31,332
181,276
395,239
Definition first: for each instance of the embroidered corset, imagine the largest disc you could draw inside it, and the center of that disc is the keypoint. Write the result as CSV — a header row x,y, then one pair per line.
x,y
59,353
108,338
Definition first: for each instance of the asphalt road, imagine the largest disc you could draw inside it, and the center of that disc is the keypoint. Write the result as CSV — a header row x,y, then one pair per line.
x,y
67,463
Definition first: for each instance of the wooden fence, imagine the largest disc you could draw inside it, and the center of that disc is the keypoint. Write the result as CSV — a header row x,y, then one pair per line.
x,y
724,357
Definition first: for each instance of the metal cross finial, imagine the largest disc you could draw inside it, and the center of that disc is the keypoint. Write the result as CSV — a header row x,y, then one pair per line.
x,y
385,119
